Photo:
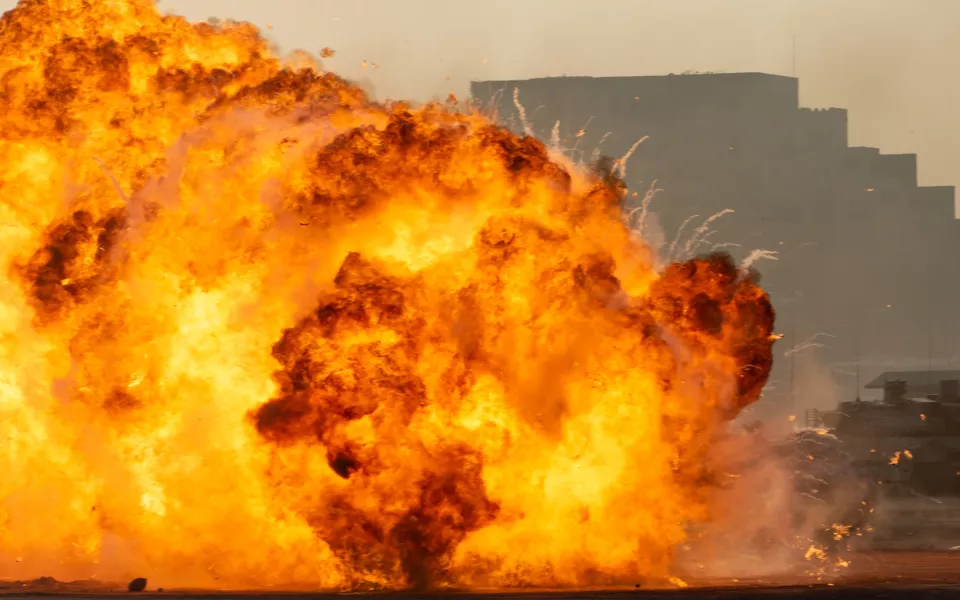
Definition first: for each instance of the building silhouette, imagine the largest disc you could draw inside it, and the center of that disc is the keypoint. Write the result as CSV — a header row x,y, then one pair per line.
x,y
864,253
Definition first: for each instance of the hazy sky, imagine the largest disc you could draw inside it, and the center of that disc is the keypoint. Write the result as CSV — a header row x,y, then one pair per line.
x,y
895,64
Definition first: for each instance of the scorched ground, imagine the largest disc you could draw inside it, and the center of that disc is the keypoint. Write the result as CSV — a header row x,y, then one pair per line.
x,y
256,329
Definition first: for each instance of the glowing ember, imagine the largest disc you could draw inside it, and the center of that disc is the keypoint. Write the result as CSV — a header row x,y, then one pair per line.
x,y
256,330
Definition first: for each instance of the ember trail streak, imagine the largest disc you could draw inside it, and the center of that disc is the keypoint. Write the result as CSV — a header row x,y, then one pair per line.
x,y
318,341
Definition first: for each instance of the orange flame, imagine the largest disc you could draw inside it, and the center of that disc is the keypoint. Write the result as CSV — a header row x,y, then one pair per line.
x,y
257,330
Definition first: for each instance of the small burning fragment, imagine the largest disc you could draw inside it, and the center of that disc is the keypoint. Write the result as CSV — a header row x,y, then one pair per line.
x,y
840,531
895,459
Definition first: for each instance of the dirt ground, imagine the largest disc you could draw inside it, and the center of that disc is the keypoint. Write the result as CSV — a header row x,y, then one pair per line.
x,y
939,592
890,575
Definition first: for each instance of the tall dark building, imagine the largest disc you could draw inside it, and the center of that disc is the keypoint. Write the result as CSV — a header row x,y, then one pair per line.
x,y
864,253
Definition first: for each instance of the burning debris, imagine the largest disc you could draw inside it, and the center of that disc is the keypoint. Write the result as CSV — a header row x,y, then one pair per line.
x,y
316,340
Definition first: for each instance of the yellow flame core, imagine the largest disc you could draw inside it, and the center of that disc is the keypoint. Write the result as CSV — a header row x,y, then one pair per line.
x,y
256,330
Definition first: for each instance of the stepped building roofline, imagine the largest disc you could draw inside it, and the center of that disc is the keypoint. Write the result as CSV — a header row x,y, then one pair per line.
x,y
581,78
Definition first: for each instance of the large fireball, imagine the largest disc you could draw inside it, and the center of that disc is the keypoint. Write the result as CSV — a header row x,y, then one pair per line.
x,y
257,330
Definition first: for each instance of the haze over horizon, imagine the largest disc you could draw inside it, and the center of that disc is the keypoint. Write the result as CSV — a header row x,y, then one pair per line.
x,y
894,65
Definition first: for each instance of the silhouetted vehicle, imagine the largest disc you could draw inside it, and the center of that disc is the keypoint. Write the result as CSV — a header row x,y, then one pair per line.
x,y
888,471
907,446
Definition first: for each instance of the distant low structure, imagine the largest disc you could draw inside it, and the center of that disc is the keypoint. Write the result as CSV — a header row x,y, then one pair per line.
x,y
863,251
943,385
